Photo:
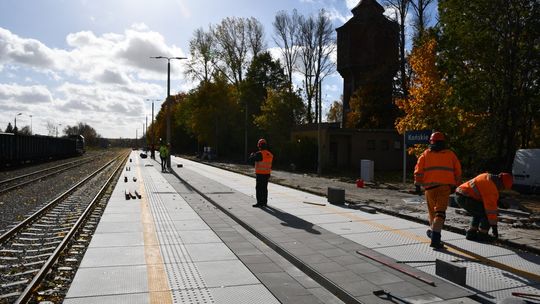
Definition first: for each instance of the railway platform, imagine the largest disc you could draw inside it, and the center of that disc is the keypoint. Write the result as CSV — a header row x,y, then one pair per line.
x,y
194,237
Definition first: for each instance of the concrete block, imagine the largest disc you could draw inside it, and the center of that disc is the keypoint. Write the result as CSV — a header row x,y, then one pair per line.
x,y
336,196
451,271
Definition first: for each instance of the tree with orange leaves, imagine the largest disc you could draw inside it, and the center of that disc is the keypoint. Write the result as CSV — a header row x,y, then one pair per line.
x,y
427,106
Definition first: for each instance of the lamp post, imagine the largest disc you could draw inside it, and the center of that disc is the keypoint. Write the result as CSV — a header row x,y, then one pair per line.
x,y
319,150
152,125
31,131
16,120
168,135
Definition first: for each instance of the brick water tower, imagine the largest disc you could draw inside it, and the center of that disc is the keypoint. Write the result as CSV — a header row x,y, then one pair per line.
x,y
368,57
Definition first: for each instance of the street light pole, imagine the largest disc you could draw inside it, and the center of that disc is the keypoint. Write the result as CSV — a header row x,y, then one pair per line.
x,y
152,125
31,131
168,98
16,120
319,150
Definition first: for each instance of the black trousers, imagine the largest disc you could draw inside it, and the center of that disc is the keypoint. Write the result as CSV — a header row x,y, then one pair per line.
x,y
262,188
475,209
163,163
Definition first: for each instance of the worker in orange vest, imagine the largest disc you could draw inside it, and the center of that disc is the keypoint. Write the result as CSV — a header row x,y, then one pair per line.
x,y
263,167
438,171
479,197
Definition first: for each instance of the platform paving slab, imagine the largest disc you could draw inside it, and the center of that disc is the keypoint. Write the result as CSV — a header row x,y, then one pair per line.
x,y
290,201
301,234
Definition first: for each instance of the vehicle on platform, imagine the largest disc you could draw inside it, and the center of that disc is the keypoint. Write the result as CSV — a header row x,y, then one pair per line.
x,y
526,171
17,149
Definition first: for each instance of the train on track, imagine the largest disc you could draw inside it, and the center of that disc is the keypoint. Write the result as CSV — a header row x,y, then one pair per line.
x,y
16,149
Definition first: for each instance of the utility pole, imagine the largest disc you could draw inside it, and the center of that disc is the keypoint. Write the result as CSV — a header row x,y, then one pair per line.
x,y
168,105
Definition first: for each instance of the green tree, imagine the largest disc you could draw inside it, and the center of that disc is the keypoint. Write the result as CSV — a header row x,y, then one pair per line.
x,y
91,137
9,128
211,114
491,52
280,112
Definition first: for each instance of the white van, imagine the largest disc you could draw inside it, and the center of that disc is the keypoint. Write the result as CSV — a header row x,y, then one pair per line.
x,y
526,171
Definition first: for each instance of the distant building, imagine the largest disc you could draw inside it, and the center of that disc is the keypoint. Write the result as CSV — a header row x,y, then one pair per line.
x,y
344,148
368,55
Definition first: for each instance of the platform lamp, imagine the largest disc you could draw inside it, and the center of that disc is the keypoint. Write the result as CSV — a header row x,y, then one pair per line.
x,y
19,114
31,131
168,135
152,123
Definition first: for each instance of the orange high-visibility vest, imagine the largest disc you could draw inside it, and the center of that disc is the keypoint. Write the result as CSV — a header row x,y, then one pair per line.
x,y
435,168
482,189
265,165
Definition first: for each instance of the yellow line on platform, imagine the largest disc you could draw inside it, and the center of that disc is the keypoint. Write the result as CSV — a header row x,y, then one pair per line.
x,y
158,284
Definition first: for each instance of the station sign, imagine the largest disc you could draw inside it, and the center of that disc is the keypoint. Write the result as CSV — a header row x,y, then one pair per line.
x,y
417,137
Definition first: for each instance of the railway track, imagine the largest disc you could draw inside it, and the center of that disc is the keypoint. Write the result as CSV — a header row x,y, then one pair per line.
x,y
30,249
13,183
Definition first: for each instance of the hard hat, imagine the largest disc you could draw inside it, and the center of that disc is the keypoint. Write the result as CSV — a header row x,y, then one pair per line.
x,y
436,136
506,179
261,142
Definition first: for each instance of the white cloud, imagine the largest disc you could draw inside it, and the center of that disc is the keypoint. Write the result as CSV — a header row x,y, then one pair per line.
x,y
105,78
14,93
28,52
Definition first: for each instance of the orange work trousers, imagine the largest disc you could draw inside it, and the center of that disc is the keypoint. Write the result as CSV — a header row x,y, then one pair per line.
x,y
437,202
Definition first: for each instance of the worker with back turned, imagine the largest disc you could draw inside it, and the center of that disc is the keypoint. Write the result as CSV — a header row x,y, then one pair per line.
x,y
438,171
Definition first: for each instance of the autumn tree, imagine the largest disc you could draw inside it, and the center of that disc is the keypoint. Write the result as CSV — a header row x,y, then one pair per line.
x,y
286,35
491,52
421,17
203,49
427,106
317,42
211,114
369,110
401,9
335,113
280,112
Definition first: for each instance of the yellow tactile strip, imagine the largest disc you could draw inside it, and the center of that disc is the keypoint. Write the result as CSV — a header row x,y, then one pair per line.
x,y
157,276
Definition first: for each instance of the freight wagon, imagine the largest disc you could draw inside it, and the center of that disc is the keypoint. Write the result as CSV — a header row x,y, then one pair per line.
x,y
20,149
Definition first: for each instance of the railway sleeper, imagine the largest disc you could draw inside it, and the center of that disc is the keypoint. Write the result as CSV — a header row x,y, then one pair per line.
x,y
39,256
16,283
10,295
34,234
11,251
24,273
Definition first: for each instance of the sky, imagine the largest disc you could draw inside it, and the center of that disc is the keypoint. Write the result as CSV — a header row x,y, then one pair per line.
x,y
69,61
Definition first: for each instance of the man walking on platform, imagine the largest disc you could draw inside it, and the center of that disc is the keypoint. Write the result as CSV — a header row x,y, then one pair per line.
x,y
438,171
164,156
480,197
263,167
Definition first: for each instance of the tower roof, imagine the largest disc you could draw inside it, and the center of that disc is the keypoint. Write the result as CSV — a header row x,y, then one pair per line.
x,y
371,6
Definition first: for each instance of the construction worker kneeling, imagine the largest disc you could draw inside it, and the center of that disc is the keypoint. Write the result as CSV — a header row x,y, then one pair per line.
x,y
480,197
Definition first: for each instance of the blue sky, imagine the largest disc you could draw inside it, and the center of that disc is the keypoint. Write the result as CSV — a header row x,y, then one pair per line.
x,y
65,61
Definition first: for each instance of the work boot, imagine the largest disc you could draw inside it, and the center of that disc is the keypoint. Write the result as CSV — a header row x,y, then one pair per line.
x,y
436,243
429,233
471,235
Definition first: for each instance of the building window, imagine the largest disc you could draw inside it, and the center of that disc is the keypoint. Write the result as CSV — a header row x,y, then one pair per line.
x,y
371,144
384,145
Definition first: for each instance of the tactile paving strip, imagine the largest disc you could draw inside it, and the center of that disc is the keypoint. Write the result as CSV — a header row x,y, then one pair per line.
x,y
184,277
